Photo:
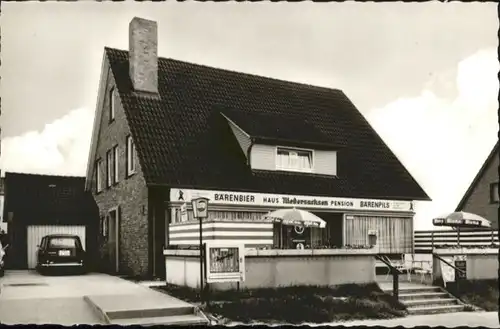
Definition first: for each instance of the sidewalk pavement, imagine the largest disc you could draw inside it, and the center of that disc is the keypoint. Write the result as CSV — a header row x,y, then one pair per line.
x,y
448,320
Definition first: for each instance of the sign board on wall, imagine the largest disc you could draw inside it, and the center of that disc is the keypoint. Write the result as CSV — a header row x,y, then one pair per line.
x,y
225,262
460,264
281,200
200,207
461,273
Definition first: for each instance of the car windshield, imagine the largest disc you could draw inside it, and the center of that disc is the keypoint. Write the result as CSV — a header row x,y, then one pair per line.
x,y
62,242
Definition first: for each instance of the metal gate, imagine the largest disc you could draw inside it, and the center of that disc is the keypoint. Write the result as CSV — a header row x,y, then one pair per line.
x,y
37,232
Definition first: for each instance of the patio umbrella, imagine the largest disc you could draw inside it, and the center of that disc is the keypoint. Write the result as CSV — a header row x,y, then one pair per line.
x,y
295,217
461,219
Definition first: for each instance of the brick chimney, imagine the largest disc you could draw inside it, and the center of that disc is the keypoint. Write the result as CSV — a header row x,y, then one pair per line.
x,y
143,55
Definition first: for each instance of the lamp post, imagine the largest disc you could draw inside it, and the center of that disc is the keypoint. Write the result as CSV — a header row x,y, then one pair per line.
x,y
200,211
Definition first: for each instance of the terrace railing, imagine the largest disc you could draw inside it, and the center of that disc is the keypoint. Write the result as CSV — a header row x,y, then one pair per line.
x,y
395,275
426,241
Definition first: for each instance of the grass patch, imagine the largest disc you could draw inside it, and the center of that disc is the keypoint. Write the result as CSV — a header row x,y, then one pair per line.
x,y
481,293
298,304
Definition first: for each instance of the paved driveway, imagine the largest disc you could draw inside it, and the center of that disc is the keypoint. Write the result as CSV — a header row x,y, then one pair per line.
x,y
29,298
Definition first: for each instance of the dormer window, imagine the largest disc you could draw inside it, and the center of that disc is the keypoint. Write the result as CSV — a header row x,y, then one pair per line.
x,y
112,104
294,159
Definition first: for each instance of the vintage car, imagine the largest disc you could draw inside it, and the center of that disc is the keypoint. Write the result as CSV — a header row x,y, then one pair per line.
x,y
61,251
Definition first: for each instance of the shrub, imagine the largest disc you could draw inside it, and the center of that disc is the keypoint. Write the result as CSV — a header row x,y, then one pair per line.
x,y
299,304
482,293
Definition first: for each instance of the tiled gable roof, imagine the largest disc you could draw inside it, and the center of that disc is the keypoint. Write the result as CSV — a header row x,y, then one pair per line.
x,y
182,139
494,153
47,194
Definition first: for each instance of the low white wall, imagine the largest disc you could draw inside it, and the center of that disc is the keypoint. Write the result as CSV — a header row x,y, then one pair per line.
x,y
276,268
482,264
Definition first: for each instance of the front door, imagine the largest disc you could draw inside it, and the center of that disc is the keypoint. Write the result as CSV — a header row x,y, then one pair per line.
x,y
113,240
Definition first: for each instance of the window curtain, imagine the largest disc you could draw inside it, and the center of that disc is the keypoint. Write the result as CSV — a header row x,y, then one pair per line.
x,y
301,161
282,160
318,237
395,234
304,161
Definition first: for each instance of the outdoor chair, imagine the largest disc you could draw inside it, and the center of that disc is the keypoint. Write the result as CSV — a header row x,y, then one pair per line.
x,y
420,267
399,265
423,268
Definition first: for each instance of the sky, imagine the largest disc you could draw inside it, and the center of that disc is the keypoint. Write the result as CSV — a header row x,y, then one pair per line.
x,y
423,74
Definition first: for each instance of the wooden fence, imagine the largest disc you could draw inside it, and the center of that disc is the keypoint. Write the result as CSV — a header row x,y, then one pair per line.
x,y
425,240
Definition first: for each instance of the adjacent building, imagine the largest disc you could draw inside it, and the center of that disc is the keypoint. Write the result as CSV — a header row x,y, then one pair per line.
x,y
166,131
38,205
481,197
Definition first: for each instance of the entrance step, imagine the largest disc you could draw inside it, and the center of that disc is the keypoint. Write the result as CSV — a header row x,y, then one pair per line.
x,y
150,312
145,308
415,290
422,295
422,299
180,320
435,309
431,302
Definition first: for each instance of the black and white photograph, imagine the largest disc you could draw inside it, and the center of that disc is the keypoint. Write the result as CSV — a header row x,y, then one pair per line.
x,y
242,163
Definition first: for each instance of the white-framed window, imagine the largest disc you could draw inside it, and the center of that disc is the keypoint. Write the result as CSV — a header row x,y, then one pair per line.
x,y
115,164
294,159
494,192
98,177
111,104
109,171
130,156
112,166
